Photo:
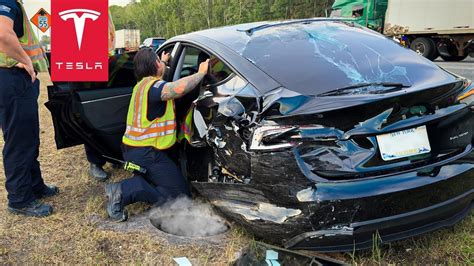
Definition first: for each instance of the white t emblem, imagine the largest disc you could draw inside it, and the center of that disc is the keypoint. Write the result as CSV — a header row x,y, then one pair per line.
x,y
79,21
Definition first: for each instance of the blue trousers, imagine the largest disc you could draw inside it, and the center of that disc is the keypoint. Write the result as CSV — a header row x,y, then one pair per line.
x,y
20,126
93,156
162,182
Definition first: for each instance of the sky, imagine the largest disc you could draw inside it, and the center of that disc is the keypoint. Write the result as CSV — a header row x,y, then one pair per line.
x,y
32,6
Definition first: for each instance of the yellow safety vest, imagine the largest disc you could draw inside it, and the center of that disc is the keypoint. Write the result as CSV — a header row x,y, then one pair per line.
x,y
30,44
186,131
159,133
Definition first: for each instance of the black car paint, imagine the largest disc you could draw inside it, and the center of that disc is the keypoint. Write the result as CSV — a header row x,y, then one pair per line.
x,y
329,191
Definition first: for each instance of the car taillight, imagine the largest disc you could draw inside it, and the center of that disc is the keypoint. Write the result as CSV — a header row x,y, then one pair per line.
x,y
467,95
270,138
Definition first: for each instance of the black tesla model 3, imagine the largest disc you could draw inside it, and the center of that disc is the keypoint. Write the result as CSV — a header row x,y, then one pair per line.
x,y
312,134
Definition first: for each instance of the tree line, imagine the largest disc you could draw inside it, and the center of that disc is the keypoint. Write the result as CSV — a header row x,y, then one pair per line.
x,y
168,18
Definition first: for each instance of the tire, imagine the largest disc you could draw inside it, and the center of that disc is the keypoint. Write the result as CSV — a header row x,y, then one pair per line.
x,y
435,51
452,57
425,47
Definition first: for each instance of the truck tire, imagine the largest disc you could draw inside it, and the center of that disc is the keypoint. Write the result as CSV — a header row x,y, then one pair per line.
x,y
451,54
453,58
425,47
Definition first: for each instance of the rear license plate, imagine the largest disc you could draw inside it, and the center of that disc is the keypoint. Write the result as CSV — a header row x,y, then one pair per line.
x,y
405,143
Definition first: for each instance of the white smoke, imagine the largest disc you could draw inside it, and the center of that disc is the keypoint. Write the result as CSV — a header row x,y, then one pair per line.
x,y
186,217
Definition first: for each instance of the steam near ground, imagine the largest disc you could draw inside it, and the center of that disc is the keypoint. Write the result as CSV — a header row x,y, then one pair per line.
x,y
186,217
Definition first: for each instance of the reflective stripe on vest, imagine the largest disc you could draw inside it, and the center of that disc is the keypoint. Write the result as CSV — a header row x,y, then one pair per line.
x,y
30,44
140,132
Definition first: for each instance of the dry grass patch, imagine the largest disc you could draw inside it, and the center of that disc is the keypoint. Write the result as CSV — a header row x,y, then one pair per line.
x,y
71,236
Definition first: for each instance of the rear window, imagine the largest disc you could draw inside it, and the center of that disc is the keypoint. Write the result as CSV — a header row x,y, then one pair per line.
x,y
318,57
158,42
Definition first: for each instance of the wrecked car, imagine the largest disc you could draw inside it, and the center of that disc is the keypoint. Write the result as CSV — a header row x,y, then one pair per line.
x,y
311,134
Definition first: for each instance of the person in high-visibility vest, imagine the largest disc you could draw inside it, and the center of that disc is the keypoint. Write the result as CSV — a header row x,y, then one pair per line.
x,y
152,128
21,57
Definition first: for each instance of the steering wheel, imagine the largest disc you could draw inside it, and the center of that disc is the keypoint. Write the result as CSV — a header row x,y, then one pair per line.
x,y
191,70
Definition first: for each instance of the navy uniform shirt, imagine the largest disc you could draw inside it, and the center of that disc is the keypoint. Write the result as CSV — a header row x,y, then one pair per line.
x,y
156,107
12,9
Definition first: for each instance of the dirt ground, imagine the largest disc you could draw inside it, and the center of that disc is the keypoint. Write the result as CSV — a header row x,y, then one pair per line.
x,y
75,233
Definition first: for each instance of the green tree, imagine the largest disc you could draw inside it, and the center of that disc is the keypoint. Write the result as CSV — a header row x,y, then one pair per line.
x,y
168,18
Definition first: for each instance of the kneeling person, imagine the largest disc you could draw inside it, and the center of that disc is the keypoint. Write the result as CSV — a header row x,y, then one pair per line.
x,y
151,129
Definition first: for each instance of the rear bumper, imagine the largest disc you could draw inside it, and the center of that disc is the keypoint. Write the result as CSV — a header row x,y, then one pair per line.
x,y
343,216
360,235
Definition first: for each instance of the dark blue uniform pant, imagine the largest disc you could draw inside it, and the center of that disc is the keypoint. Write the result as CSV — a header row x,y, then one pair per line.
x,y
162,182
20,126
93,156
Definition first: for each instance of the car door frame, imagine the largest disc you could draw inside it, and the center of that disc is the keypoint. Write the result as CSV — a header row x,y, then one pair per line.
x,y
70,129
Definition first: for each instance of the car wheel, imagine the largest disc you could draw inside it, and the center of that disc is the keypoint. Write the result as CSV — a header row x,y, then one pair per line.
x,y
425,47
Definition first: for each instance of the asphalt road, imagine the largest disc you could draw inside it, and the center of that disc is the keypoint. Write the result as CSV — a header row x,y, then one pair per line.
x,y
464,68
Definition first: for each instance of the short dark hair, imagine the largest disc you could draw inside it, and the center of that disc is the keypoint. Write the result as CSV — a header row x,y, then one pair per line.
x,y
144,63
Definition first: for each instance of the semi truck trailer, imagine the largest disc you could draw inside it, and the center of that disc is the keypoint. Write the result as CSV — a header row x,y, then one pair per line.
x,y
430,27
127,40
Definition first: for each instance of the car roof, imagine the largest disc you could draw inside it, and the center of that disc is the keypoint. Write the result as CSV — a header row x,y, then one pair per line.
x,y
222,40
229,35
261,50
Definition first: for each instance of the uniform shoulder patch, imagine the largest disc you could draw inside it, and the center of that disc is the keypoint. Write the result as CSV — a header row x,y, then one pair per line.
x,y
5,8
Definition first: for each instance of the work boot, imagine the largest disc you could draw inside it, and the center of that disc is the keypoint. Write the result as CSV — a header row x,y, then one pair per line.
x,y
33,209
115,207
98,173
48,191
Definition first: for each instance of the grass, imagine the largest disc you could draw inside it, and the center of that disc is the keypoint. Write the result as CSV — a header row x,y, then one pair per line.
x,y
71,236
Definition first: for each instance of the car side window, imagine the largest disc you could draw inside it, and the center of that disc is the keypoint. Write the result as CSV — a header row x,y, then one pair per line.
x,y
190,63
167,49
218,71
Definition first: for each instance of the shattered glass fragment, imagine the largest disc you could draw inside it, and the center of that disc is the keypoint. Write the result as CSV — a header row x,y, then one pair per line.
x,y
231,87
232,107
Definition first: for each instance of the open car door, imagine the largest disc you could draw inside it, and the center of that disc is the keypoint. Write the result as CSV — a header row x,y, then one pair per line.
x,y
93,113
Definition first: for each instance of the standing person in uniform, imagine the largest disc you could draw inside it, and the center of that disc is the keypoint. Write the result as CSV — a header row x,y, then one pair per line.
x,y
95,159
21,57
151,130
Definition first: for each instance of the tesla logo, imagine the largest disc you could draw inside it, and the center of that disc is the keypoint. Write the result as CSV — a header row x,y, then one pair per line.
x,y
79,20
79,40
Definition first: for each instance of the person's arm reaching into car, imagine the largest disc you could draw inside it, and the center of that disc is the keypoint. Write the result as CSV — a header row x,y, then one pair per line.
x,y
10,45
181,87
